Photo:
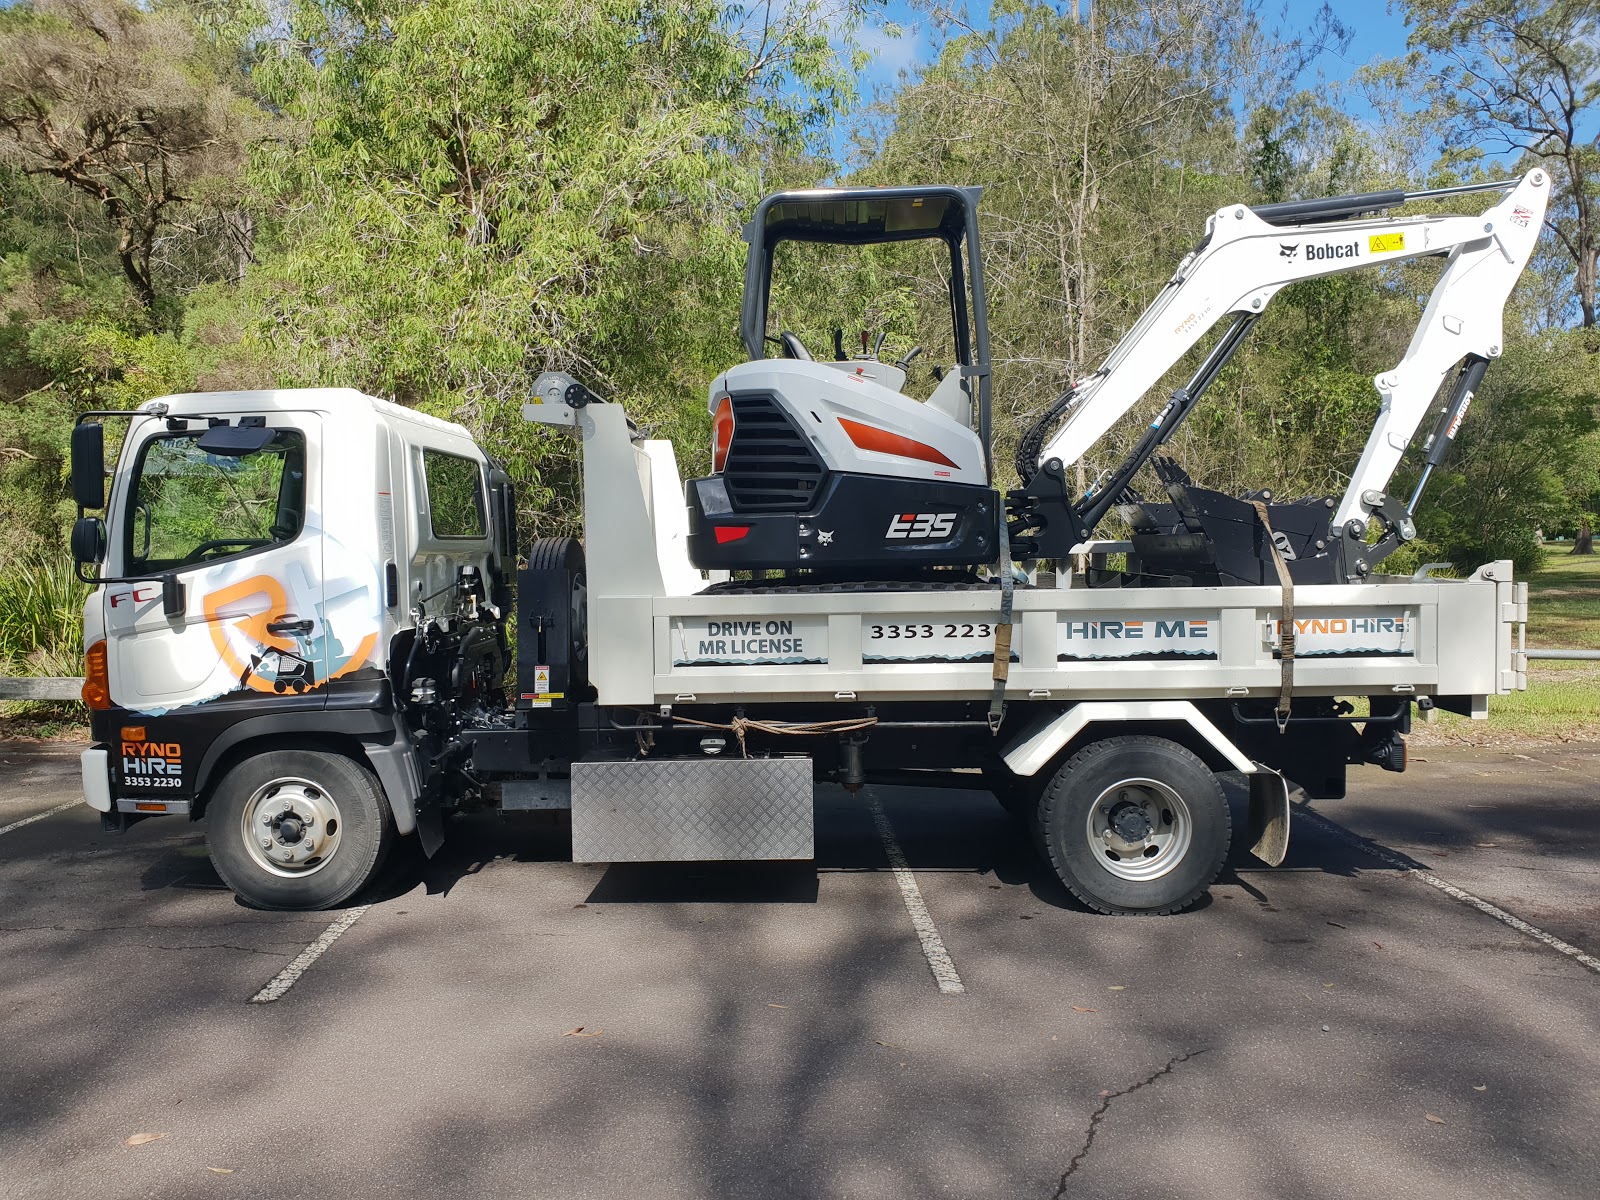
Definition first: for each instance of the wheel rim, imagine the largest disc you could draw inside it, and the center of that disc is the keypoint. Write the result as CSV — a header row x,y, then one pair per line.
x,y
291,827
1139,829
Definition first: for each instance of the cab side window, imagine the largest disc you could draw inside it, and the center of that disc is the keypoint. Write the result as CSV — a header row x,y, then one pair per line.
x,y
191,507
455,495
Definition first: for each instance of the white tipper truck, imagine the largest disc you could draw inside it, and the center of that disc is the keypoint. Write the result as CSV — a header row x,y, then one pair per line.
x,y
300,625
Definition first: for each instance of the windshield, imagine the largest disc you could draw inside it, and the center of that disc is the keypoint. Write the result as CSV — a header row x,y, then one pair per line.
x,y
899,290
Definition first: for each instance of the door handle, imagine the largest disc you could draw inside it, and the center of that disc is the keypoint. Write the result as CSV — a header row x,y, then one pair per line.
x,y
288,626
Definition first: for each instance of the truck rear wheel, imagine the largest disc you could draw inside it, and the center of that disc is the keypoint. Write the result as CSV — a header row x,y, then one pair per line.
x,y
1135,825
298,830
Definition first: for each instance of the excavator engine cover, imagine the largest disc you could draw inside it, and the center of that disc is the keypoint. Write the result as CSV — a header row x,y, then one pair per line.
x,y
777,506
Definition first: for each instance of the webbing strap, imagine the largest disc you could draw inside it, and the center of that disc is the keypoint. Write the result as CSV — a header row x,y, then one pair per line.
x,y
1002,631
1286,635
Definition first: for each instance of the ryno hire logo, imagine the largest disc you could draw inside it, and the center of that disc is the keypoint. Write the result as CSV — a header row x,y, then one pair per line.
x,y
150,764
922,526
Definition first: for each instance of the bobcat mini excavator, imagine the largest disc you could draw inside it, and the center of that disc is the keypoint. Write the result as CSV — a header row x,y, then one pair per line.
x,y
826,470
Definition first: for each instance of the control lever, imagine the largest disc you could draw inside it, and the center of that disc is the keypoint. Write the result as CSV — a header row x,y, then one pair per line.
x,y
838,346
905,359
877,346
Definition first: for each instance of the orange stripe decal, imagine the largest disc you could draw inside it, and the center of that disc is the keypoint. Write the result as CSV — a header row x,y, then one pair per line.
x,y
881,441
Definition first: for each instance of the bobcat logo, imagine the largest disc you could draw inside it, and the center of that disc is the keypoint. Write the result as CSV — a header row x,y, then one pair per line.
x,y
1288,249
824,537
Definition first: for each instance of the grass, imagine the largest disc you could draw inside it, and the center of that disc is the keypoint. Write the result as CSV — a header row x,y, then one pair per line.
x,y
41,633
1564,601
1562,702
41,617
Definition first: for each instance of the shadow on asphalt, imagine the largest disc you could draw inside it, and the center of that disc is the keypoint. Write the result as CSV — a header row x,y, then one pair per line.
x,y
939,832
745,1056
699,883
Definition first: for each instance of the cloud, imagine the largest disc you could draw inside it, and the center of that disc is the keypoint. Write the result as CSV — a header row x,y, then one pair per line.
x,y
890,53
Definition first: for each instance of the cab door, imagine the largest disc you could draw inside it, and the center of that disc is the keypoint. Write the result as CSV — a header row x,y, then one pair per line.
x,y
236,516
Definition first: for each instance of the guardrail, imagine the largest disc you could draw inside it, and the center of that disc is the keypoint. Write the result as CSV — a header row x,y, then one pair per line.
x,y
1575,655
41,688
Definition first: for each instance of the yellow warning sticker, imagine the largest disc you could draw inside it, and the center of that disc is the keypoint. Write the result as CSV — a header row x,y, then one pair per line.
x,y
1383,243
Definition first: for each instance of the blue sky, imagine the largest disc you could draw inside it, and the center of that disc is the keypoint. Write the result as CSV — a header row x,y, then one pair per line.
x,y
1377,35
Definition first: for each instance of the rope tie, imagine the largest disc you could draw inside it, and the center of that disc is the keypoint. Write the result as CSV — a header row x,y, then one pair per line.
x,y
740,726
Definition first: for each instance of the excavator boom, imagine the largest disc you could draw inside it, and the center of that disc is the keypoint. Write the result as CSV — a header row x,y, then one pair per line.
x,y
1247,256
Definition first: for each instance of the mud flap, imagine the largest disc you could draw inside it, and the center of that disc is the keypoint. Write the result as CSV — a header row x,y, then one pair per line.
x,y
1269,815
430,828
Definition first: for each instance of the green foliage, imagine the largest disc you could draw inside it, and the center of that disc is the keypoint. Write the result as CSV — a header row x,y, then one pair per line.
x,y
1521,78
1101,144
41,617
1526,452
436,201
472,192
128,107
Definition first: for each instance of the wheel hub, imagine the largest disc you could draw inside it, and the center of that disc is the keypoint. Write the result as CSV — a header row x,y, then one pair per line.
x,y
291,827
1130,822
1139,829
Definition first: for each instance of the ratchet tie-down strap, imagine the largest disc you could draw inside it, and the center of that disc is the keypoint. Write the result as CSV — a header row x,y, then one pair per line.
x,y
1002,631
1286,624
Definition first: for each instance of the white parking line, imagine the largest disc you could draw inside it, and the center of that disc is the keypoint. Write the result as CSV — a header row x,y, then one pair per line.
x,y
944,971
285,979
1451,890
49,812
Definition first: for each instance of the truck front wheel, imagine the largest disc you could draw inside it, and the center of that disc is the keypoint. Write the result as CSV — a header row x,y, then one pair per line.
x,y
298,830
1135,825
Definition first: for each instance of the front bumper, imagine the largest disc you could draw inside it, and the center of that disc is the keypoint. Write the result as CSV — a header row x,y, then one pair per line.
x,y
97,779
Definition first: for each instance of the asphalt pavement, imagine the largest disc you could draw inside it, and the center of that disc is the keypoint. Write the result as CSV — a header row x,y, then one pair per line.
x,y
501,1023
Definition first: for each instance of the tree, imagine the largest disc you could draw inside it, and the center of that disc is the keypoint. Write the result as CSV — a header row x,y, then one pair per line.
x,y
1104,135
467,192
1097,136
123,106
1522,77
1523,456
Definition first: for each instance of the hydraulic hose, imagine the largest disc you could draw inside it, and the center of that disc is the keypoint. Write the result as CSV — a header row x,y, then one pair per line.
x,y
1032,443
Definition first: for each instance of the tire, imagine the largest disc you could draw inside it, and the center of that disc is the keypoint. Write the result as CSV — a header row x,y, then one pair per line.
x,y
326,816
1166,816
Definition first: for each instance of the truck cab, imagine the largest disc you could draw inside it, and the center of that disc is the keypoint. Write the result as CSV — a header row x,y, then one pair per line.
x,y
266,558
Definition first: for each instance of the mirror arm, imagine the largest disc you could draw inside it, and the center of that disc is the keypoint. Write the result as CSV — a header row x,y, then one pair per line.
x,y
174,593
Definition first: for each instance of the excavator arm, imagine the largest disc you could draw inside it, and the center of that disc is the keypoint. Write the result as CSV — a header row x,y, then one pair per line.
x,y
1247,256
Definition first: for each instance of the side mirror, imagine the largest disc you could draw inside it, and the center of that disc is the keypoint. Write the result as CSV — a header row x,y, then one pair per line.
x,y
88,538
88,467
